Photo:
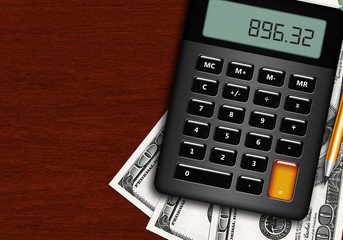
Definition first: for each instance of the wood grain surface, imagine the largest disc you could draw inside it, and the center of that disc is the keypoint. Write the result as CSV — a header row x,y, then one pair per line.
x,y
82,84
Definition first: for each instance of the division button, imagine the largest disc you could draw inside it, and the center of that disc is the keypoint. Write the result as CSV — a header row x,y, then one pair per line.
x,y
231,114
254,162
267,98
200,108
293,126
298,105
302,83
249,185
192,150
262,120
205,86
289,147
282,180
271,77
203,176
209,64
240,70
236,92
227,135
223,156
196,129
258,141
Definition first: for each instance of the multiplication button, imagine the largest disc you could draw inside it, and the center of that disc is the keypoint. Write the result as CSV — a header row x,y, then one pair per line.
x,y
267,98
271,77
205,86
240,70
298,104
236,92
209,64
302,83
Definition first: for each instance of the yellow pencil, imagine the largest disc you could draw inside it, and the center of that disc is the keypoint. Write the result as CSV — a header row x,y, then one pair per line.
x,y
335,143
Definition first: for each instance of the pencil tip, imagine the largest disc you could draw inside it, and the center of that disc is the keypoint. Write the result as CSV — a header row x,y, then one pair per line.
x,y
325,180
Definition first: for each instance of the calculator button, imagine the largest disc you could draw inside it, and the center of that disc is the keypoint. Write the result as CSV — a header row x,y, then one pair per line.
x,y
267,98
231,114
249,185
258,141
227,135
240,70
289,147
200,108
271,77
302,83
236,92
298,105
192,150
262,120
282,180
205,86
254,162
203,176
196,129
293,126
209,64
223,156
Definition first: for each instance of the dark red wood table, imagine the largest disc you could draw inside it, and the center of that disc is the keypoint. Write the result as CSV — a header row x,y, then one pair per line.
x,y
82,83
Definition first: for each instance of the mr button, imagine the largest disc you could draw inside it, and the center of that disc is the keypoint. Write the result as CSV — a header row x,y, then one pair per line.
x,y
209,64
302,83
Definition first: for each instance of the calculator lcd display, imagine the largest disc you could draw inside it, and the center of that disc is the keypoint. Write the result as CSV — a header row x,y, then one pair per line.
x,y
264,28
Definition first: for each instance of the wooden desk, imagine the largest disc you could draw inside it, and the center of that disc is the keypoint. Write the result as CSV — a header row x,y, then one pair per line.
x,y
82,83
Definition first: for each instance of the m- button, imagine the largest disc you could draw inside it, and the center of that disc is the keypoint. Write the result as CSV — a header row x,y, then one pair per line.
x,y
302,83
209,64
240,70
271,77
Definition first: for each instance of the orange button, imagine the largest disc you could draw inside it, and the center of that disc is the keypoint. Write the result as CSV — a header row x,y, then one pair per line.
x,y
282,180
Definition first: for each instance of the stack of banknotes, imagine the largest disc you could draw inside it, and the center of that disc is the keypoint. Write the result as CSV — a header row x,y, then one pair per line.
x,y
173,217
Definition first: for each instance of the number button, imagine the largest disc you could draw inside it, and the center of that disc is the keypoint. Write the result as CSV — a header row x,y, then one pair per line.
x,y
254,162
271,77
231,114
262,120
267,98
258,141
209,64
302,83
227,135
289,147
249,185
196,129
203,176
205,86
293,126
240,70
200,108
192,150
298,105
236,92
223,156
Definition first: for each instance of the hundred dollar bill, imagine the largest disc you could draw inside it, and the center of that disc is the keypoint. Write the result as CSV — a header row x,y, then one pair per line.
x,y
135,179
180,218
324,220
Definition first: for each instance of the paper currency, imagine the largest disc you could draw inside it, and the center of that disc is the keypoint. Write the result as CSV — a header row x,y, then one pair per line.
x,y
325,216
135,179
180,218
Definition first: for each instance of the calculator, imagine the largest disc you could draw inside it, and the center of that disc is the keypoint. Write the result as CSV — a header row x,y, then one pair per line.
x,y
249,104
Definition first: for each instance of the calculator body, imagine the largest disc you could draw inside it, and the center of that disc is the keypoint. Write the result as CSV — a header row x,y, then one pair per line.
x,y
245,123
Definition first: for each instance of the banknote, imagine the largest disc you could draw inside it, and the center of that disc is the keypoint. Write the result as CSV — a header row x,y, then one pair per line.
x,y
325,217
134,181
180,218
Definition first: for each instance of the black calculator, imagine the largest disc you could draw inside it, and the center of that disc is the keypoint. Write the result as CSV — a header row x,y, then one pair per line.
x,y
249,104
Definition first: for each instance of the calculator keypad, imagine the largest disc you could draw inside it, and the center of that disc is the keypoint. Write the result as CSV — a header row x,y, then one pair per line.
x,y
267,98
192,150
209,64
262,120
254,162
223,156
196,129
236,92
205,86
240,70
302,83
258,141
293,126
231,114
271,77
227,135
289,147
249,185
298,104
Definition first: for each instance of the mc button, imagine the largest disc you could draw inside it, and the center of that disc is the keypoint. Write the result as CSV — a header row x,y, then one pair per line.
x,y
209,64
